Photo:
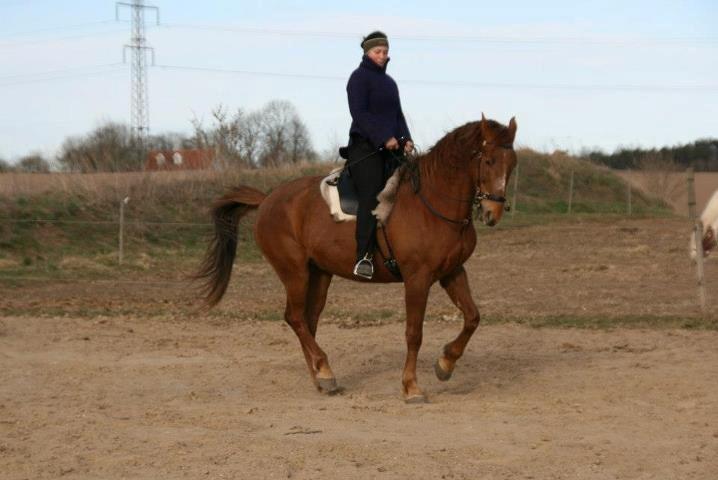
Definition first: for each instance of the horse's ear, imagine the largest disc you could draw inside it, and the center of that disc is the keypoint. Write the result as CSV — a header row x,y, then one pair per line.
x,y
512,129
486,131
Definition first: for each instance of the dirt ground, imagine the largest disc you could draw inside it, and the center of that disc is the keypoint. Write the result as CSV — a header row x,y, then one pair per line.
x,y
152,391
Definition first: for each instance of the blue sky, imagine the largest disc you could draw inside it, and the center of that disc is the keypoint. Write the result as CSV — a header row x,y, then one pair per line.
x,y
575,74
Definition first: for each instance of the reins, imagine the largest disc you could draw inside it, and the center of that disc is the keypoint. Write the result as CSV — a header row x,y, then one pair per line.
x,y
400,158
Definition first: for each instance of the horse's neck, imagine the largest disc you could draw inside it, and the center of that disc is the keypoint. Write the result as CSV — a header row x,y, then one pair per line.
x,y
451,185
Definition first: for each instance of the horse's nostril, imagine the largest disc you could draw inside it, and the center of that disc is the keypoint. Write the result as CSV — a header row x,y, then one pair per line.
x,y
489,217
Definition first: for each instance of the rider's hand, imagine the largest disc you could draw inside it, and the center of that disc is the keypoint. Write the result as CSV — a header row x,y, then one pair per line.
x,y
409,146
392,144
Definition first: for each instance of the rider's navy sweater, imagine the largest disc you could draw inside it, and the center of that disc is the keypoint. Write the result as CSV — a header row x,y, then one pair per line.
x,y
374,104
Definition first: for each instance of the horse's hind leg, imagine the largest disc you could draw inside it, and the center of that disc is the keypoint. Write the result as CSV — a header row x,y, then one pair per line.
x,y
456,285
298,287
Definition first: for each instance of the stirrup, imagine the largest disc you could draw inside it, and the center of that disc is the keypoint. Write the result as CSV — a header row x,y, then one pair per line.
x,y
364,268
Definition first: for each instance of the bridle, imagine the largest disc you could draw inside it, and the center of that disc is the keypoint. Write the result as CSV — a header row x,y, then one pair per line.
x,y
476,199
479,195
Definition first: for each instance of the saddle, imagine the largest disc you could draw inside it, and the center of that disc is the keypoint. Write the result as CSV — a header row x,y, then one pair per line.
x,y
339,193
348,200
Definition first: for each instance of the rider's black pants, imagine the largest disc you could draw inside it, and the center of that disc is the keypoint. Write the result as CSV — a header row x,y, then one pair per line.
x,y
369,177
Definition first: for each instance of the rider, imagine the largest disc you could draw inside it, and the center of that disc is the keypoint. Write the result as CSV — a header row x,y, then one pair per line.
x,y
377,132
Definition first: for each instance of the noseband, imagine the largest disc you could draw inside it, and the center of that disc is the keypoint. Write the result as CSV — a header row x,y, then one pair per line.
x,y
490,196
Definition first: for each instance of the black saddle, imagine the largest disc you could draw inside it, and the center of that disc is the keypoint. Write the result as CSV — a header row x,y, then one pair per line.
x,y
348,200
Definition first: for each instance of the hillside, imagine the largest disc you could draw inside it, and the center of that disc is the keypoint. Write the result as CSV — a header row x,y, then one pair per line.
x,y
59,221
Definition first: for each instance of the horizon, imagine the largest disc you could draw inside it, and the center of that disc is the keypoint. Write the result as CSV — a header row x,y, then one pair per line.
x,y
577,77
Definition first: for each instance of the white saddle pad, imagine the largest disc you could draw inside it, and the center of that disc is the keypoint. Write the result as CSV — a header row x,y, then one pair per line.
x,y
330,193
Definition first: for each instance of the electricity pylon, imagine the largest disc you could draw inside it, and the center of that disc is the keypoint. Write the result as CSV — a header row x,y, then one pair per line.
x,y
139,96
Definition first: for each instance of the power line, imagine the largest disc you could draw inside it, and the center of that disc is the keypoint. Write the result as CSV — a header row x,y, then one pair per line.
x,y
503,85
248,72
484,39
90,71
490,39
58,39
64,27
112,68
64,70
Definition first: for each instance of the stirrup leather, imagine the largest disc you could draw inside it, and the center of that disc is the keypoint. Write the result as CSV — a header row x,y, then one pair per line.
x,y
364,268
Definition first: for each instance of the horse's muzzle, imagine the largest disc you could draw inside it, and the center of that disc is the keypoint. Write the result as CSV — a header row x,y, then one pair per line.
x,y
487,216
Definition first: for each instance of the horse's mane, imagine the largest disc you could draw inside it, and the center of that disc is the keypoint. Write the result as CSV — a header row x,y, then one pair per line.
x,y
456,147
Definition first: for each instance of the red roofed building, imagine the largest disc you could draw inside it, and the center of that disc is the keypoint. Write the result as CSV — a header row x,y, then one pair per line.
x,y
181,159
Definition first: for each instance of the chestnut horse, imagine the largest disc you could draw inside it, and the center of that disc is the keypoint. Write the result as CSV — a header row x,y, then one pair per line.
x,y
430,231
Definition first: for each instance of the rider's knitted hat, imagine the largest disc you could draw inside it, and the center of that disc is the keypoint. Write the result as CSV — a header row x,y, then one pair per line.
x,y
374,39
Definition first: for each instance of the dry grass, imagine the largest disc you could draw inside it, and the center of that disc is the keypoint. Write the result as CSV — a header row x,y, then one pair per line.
x,y
117,185
91,184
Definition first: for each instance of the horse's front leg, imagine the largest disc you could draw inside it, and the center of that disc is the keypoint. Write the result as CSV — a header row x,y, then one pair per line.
x,y
456,285
416,295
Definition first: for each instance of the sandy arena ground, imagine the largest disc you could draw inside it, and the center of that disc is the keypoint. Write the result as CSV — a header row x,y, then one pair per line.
x,y
92,396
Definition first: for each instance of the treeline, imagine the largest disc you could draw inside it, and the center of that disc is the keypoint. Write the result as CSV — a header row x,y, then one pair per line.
x,y
702,155
271,136
32,163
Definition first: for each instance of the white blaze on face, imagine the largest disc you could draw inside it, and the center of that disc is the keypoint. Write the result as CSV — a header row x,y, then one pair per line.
x,y
499,183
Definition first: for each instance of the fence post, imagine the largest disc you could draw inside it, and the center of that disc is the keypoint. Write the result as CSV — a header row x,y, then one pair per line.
x,y
570,194
630,199
122,230
697,237
516,189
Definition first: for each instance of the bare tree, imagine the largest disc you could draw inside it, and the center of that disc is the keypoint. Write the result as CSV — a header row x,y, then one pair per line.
x,y
170,141
275,116
234,138
272,136
109,148
5,167
33,163
285,137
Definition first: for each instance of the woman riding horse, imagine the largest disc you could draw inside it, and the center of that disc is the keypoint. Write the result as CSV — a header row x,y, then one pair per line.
x,y
378,129
430,229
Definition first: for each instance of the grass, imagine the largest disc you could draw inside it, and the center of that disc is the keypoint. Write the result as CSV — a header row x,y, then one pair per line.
x,y
77,215
368,317
602,322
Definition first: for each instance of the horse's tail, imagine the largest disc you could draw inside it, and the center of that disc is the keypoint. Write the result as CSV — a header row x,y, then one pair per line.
x,y
216,267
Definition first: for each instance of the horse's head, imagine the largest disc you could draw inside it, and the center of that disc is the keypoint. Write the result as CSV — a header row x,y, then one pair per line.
x,y
709,240
497,160
708,243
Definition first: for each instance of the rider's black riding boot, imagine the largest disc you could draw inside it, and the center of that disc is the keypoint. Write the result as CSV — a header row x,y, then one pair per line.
x,y
368,176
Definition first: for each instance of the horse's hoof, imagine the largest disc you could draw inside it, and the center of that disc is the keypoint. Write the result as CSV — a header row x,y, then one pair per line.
x,y
441,374
416,399
329,386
